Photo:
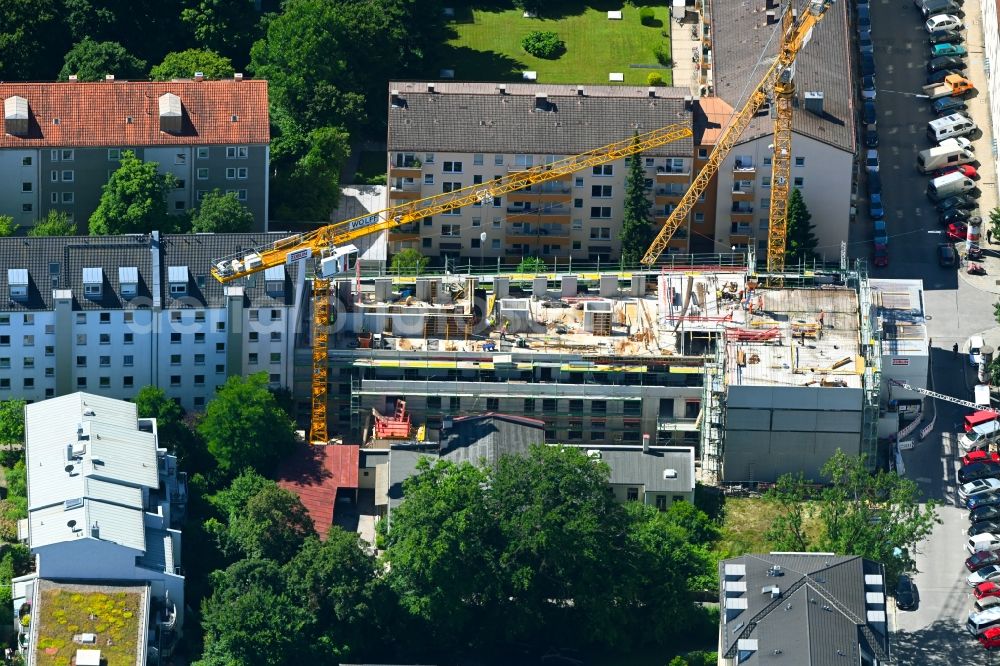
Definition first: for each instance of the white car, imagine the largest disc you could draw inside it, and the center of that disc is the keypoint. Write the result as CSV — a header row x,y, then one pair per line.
x,y
976,350
978,487
992,572
984,541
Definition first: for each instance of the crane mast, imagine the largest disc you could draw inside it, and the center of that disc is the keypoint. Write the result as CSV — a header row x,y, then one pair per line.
x,y
795,34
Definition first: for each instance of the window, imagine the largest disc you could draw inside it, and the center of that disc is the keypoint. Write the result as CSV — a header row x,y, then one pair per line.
x,y
128,338
128,317
604,170
127,381
231,174
29,362
175,380
600,191
54,197
175,338
242,152
495,244
4,341
798,181
661,502
54,176
433,402
200,194
451,230
632,495
699,217
219,368
767,161
175,359
600,233
26,186
5,363
26,161
428,179
276,336
81,382
5,383
199,338
68,197
275,357
199,359
498,160
492,404
577,203
220,326
81,361
5,320
67,176
254,315
254,336
178,289
800,161
175,316
199,380
241,173
50,350
104,382
202,153
67,156
50,372
703,153
452,167
128,360
477,159
275,315
600,211
105,361
202,174
230,152
220,347
29,341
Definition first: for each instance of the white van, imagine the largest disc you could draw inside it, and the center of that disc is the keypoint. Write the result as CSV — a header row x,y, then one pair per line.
x,y
949,126
984,541
985,603
980,436
943,22
976,350
980,622
948,185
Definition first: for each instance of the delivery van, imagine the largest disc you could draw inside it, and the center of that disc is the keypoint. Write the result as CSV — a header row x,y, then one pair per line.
x,y
949,185
949,126
945,155
980,436
980,622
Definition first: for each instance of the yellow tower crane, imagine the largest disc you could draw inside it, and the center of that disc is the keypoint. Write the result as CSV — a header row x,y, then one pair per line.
x,y
320,243
776,82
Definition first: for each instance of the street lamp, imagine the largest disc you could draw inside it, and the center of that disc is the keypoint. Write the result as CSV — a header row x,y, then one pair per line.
x,y
482,248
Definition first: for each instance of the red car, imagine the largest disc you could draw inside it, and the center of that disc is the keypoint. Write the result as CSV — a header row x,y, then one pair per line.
x,y
987,589
990,638
881,259
957,231
979,456
980,559
966,170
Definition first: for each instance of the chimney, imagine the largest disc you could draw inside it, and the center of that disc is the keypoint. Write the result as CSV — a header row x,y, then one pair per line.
x,y
109,77
502,88
15,116
772,16
541,102
688,102
651,91
171,113
72,78
814,102
579,91
199,76
430,88
238,76
645,442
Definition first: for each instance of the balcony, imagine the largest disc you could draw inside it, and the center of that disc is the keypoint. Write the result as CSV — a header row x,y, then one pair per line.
x,y
404,193
740,232
406,232
744,166
538,215
406,169
521,232
743,193
664,195
665,175
543,194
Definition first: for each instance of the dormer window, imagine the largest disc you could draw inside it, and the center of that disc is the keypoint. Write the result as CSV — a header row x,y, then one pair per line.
x,y
17,280
274,281
93,282
15,116
128,281
171,113
178,277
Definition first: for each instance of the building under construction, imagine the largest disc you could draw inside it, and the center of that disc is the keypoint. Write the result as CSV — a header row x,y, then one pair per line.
x,y
762,380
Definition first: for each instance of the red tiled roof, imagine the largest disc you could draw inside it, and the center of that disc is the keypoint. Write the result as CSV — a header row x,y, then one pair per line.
x,y
95,114
315,473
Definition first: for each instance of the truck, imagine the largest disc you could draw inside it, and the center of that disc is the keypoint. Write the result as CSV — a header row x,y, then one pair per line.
x,y
952,86
950,152
948,185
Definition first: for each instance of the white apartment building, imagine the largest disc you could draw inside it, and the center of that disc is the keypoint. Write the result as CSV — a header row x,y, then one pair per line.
x,y
824,128
111,314
446,135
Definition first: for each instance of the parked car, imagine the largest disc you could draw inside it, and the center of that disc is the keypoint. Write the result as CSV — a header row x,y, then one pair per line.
x,y
868,64
977,456
957,231
864,18
868,114
874,183
954,216
871,160
959,201
981,559
966,170
945,37
906,593
945,62
943,22
875,208
881,256
984,513
986,574
985,541
990,638
948,50
987,486
871,137
947,257
948,105
986,590
865,43
941,75
978,470
984,527
868,87
988,499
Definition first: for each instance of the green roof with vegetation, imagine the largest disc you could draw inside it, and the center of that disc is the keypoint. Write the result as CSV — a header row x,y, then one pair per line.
x,y
67,611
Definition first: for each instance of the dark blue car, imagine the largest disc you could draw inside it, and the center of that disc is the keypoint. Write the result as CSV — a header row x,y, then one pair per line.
x,y
868,114
948,105
988,499
868,64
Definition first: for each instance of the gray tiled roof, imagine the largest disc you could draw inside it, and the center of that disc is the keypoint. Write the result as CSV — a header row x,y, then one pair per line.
x,y
739,38
485,438
483,121
630,466
403,465
817,618
60,262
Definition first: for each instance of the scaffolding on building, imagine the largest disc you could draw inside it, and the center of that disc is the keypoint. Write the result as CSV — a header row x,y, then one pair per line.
x,y
713,424
871,336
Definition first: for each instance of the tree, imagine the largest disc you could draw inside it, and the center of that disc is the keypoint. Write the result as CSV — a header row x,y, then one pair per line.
x,y
994,223
273,524
12,422
91,61
224,26
531,265
408,262
306,168
184,64
801,242
787,530
635,234
55,223
7,226
245,427
134,200
995,372
543,44
221,213
29,33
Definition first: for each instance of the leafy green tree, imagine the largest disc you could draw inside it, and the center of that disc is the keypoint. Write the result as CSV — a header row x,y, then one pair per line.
x,y
7,226
305,168
787,531
221,213
245,427
995,372
134,200
996,312
532,265
700,529
994,223
231,500
408,262
12,422
224,26
29,33
184,64
273,524
636,231
88,18
173,430
55,223
543,44
91,61
801,242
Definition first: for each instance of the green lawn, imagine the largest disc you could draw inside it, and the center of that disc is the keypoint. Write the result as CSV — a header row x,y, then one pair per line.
x,y
487,43
745,522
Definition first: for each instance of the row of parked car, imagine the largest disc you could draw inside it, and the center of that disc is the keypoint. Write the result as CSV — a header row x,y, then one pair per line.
x,y
980,493
869,119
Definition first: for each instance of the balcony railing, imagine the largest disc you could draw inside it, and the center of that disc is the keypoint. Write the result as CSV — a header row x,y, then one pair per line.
x,y
742,210
673,171
740,229
743,165
550,210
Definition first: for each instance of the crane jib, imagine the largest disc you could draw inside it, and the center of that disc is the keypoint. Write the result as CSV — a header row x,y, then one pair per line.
x,y
364,222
